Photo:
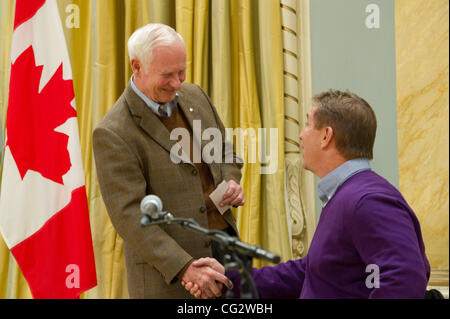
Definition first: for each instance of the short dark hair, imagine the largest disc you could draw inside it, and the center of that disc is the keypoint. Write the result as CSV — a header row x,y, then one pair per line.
x,y
352,119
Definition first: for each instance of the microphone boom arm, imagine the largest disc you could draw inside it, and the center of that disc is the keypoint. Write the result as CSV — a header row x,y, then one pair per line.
x,y
237,249
229,242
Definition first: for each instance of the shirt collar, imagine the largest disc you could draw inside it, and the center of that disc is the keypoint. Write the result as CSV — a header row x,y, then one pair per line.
x,y
154,106
329,184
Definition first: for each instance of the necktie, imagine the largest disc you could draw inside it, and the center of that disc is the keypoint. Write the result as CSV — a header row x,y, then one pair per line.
x,y
162,110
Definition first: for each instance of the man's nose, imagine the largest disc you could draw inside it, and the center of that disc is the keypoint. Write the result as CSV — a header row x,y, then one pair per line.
x,y
175,83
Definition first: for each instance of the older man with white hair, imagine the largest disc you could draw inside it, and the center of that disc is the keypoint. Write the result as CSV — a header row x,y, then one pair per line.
x,y
132,147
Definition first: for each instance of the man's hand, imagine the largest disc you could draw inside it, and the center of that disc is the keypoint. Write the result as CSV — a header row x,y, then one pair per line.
x,y
195,288
234,196
207,274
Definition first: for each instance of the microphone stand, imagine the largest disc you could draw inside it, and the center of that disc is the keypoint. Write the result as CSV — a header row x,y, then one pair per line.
x,y
240,254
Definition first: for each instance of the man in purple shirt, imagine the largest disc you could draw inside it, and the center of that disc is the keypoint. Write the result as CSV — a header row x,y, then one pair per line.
x,y
368,242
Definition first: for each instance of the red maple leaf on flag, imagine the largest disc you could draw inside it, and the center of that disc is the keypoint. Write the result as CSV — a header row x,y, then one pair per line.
x,y
32,118
25,9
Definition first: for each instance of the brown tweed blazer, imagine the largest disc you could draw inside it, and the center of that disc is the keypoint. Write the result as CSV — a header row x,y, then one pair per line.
x,y
132,156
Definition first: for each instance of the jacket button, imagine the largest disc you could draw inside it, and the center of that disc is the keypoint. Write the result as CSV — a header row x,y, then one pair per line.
x,y
194,172
203,209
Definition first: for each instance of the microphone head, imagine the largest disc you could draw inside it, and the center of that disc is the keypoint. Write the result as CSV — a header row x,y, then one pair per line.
x,y
276,259
151,204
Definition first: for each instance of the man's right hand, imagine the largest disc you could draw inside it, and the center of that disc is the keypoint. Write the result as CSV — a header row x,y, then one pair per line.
x,y
208,276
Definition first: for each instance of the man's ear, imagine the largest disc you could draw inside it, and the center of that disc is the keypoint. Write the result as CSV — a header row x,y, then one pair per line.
x,y
327,136
136,65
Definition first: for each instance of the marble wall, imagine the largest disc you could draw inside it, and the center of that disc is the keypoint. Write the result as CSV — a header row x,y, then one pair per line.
x,y
422,53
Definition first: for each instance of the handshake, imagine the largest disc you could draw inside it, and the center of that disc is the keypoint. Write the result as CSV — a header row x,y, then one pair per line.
x,y
205,277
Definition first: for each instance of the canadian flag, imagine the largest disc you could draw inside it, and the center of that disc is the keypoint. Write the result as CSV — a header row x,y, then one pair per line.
x,y
44,217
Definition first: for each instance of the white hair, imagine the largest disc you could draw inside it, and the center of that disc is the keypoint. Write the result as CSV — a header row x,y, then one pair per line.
x,y
142,42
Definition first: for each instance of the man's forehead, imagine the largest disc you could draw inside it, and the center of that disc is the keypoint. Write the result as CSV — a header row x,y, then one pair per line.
x,y
163,48
159,64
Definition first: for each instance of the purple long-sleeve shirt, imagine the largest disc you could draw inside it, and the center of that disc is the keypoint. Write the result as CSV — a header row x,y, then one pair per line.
x,y
366,226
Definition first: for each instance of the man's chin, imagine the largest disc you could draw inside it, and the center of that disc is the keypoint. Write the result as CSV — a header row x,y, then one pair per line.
x,y
304,165
167,97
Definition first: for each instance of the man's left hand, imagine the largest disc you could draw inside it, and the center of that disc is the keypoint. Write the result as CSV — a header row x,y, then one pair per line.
x,y
234,196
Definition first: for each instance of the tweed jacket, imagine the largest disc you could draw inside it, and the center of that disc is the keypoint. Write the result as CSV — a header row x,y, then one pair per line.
x,y
132,150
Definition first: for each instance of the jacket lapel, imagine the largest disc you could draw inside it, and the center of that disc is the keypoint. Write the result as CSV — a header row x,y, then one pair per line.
x,y
193,111
151,124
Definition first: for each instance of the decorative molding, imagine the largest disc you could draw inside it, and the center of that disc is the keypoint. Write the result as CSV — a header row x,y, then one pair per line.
x,y
295,206
294,203
306,182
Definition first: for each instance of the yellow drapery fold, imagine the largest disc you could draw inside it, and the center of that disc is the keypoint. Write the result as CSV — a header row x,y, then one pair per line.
x,y
192,22
106,78
246,87
275,233
246,116
234,52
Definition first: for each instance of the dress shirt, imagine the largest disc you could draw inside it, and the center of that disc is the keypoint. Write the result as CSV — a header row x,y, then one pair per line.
x,y
328,185
154,106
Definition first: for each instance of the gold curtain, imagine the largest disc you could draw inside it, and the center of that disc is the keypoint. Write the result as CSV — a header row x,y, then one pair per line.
x,y
234,51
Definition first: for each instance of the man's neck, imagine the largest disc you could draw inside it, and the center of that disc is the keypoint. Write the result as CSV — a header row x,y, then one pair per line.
x,y
329,184
329,164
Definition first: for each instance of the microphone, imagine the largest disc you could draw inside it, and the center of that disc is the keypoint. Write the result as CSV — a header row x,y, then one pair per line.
x,y
261,253
151,206
258,252
151,209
